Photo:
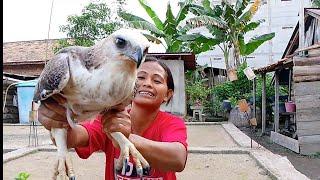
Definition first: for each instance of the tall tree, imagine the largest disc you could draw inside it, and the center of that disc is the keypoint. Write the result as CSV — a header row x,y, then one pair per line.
x,y
96,21
228,23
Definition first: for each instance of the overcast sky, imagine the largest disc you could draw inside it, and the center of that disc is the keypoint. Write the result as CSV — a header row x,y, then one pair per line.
x,y
29,19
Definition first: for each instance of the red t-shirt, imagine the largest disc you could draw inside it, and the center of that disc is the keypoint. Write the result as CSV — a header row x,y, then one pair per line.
x,y
165,128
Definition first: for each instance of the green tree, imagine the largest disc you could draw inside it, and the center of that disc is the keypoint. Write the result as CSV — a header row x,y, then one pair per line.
x,y
96,21
228,24
171,30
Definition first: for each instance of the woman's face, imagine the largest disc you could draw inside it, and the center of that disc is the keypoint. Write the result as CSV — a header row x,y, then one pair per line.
x,y
152,89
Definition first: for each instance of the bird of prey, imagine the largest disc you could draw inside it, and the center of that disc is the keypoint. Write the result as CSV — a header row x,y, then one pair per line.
x,y
92,80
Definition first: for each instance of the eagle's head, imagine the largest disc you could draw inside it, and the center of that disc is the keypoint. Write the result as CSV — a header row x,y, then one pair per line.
x,y
124,44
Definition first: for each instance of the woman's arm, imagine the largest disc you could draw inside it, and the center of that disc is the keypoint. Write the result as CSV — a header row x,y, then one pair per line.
x,y
165,156
77,137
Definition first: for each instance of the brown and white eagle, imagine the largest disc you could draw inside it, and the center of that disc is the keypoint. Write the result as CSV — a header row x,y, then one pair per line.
x,y
94,79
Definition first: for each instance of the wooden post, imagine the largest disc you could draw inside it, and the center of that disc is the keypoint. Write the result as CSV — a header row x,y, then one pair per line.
x,y
290,84
254,97
301,25
276,102
263,108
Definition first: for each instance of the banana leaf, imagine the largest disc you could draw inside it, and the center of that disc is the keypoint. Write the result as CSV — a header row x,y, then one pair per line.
x,y
152,38
206,5
196,10
252,25
205,20
152,15
240,6
130,17
183,11
170,23
146,26
174,46
255,42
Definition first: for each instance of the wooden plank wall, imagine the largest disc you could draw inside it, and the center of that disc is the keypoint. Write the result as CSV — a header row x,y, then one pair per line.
x,y
10,113
306,76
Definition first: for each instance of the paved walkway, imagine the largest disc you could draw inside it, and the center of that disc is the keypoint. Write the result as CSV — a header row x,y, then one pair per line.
x,y
216,151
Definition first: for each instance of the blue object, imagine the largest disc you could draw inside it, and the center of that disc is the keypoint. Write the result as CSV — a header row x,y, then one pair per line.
x,y
226,105
25,91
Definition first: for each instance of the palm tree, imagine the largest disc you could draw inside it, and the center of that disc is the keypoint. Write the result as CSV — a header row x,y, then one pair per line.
x,y
228,23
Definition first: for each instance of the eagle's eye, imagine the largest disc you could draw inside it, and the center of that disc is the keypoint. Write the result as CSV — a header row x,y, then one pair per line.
x,y
120,42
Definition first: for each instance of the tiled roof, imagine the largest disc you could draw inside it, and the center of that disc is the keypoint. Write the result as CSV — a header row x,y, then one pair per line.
x,y
22,51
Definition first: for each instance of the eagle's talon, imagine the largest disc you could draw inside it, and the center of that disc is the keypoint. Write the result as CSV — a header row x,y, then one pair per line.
x,y
125,167
63,169
146,171
139,172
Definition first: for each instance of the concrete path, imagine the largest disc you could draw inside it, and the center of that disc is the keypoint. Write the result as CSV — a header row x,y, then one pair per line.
x,y
216,151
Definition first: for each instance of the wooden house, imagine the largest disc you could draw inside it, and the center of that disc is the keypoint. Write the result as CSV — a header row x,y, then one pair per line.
x,y
23,60
299,69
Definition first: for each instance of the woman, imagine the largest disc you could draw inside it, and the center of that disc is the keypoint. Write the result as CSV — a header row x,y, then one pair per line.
x,y
159,136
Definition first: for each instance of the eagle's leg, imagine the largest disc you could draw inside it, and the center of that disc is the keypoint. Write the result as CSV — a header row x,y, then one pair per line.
x,y
126,146
63,166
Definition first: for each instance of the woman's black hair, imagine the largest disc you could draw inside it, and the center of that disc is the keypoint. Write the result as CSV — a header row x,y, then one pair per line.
x,y
170,82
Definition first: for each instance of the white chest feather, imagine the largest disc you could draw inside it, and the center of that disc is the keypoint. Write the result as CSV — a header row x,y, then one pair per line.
x,y
101,88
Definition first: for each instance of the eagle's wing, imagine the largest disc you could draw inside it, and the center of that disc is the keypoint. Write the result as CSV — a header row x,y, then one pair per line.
x,y
54,77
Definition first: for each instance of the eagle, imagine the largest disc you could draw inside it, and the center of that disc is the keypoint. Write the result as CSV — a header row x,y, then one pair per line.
x,y
92,80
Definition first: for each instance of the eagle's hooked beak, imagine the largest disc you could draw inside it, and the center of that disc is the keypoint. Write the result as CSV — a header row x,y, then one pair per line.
x,y
138,55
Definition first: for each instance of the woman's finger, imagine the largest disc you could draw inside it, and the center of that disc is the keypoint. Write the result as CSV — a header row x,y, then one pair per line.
x,y
49,123
44,111
53,106
58,98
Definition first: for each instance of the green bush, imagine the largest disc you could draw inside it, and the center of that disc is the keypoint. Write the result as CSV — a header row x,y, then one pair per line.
x,y
22,176
242,88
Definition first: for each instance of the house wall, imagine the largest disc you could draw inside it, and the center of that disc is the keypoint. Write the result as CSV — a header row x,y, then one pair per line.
x,y
178,103
24,69
306,76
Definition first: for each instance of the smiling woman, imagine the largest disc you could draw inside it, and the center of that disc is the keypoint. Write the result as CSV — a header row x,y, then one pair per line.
x,y
159,136
157,73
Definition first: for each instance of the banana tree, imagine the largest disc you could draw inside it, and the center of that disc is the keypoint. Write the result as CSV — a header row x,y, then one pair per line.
x,y
171,30
228,23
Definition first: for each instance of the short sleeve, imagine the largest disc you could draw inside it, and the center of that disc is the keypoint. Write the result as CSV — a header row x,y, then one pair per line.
x,y
174,130
97,138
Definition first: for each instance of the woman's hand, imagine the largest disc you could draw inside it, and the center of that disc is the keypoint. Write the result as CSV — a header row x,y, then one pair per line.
x,y
52,114
116,121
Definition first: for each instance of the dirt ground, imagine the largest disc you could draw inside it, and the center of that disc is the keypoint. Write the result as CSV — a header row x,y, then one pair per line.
x,y
209,136
308,165
222,166
199,166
